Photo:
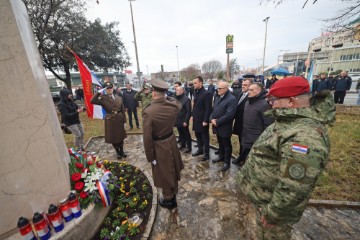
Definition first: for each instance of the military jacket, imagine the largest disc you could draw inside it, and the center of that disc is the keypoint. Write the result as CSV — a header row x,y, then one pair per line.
x,y
143,98
285,162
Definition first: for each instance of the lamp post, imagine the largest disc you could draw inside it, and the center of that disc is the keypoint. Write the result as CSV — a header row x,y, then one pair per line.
x,y
136,51
177,54
266,20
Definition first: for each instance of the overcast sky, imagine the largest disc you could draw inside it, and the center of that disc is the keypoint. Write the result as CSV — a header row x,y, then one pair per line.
x,y
199,28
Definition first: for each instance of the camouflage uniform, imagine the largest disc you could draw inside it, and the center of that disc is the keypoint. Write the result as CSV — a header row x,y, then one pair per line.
x,y
285,163
143,98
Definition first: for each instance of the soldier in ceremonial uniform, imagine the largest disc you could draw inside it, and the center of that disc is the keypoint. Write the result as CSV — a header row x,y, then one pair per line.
x,y
114,119
160,143
287,159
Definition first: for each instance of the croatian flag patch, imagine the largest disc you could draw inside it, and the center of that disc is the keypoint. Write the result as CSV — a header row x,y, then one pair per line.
x,y
300,148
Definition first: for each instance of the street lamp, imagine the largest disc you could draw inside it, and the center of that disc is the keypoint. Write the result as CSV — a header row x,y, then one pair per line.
x,y
136,51
266,21
177,54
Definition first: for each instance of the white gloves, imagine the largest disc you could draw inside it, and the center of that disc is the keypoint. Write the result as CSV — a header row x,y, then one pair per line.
x,y
154,162
102,91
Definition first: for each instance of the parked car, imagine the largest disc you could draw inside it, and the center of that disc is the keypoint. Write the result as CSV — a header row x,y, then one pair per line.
x,y
55,93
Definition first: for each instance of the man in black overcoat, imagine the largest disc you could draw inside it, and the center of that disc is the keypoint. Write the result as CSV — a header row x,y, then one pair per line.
x,y
222,120
238,124
201,114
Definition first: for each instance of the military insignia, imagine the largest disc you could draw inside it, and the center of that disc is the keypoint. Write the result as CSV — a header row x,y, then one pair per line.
x,y
297,171
299,148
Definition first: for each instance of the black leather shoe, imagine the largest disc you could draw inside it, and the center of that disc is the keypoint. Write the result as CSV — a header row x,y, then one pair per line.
x,y
197,153
169,204
219,159
187,150
225,167
237,160
181,147
205,157
118,154
217,152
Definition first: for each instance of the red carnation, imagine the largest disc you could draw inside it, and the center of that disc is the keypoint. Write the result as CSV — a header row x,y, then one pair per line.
x,y
84,194
79,165
90,163
76,177
79,186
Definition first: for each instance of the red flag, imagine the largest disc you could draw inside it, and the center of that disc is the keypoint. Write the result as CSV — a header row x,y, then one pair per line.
x,y
128,71
87,79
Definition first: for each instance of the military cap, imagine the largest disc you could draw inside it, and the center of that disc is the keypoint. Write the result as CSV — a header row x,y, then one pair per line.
x,y
108,85
159,85
289,87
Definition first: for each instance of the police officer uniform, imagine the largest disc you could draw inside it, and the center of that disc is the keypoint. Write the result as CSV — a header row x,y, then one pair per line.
x,y
160,143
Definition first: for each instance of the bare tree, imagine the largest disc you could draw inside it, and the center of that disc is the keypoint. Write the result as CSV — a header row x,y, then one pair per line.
x,y
211,68
191,71
346,20
234,68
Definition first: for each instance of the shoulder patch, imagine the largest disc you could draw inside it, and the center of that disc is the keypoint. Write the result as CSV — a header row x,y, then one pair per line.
x,y
295,170
297,148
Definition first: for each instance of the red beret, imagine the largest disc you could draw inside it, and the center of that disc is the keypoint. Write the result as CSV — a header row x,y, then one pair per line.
x,y
289,87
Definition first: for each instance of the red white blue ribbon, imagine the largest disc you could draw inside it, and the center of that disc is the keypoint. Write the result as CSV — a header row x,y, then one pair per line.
x,y
106,176
74,153
104,194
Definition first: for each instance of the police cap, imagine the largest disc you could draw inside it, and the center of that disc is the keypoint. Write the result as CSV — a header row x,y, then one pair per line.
x,y
159,85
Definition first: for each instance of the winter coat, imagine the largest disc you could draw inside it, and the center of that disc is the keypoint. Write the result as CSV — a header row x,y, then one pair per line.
x,y
254,121
129,100
342,83
211,89
201,109
321,84
160,142
185,112
114,118
224,111
238,124
68,109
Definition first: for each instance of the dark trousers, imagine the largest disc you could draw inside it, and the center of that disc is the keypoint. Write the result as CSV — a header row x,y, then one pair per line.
x,y
244,153
118,145
240,150
203,140
130,112
184,136
225,148
339,97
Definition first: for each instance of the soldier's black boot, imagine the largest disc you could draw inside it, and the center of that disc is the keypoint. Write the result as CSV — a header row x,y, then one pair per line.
x,y
123,154
118,153
169,204
225,167
217,152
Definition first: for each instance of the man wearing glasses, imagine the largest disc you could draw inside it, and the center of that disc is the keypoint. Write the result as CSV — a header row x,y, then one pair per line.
x,y
114,119
287,159
222,120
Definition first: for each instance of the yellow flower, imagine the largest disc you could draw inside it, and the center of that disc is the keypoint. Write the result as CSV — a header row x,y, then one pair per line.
x,y
106,161
135,199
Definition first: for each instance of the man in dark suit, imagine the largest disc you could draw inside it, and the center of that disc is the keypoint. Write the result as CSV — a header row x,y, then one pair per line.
x,y
238,124
182,119
222,120
211,88
201,114
131,105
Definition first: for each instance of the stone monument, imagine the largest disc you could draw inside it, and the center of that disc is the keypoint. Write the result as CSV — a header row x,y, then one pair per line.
x,y
33,154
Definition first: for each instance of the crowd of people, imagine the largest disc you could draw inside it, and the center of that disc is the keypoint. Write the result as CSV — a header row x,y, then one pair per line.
x,y
280,124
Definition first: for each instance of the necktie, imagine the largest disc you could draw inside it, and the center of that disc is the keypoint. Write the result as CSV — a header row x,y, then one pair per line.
x,y
242,97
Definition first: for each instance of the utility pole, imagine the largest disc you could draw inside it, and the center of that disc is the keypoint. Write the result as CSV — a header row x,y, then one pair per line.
x,y
136,51
266,20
